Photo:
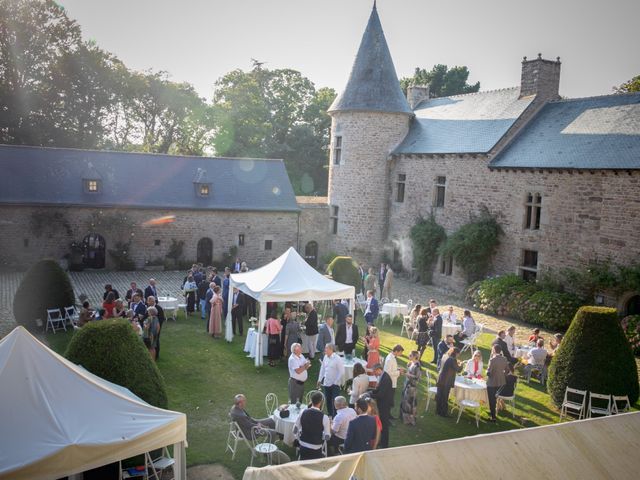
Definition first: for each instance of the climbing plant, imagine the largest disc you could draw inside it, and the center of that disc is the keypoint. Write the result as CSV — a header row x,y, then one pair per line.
x,y
426,237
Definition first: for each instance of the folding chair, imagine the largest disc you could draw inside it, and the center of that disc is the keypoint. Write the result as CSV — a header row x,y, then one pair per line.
x,y
539,371
55,320
72,316
576,406
599,410
261,444
406,325
431,391
159,464
271,403
234,437
626,407
511,400
464,403
470,343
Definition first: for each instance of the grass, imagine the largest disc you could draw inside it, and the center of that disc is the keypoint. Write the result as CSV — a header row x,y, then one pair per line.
x,y
203,375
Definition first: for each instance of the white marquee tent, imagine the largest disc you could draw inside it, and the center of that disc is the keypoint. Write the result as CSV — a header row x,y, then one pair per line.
x,y
288,278
57,419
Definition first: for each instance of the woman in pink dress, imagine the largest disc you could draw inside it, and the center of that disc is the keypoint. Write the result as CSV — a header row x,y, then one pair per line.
x,y
373,346
215,320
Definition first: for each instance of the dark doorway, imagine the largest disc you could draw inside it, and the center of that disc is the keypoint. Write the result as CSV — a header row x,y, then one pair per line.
x,y
311,254
205,251
633,306
93,251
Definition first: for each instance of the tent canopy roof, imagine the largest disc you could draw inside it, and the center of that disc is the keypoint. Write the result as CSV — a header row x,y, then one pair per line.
x,y
289,278
58,419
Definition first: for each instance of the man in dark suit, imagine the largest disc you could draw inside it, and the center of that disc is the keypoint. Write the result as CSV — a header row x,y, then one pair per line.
x,y
499,340
207,305
132,291
326,334
382,275
347,336
372,309
383,395
150,290
139,308
237,309
340,312
446,381
361,431
435,332
108,288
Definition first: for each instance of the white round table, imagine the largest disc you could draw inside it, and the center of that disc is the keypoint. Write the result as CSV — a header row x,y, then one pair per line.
x,y
285,426
348,368
450,329
394,309
522,352
168,304
470,389
250,343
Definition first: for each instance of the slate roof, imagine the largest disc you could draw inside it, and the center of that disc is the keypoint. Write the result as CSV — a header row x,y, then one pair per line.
x,y
373,84
585,133
54,176
471,123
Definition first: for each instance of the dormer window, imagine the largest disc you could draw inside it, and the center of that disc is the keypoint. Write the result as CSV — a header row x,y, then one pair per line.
x,y
201,183
92,185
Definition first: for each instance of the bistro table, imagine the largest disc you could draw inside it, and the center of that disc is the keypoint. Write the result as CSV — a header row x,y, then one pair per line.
x,y
169,304
395,309
285,426
348,368
250,343
470,389
450,329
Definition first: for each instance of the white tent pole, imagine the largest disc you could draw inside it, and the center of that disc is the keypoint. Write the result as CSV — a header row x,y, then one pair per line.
x,y
261,323
180,458
228,331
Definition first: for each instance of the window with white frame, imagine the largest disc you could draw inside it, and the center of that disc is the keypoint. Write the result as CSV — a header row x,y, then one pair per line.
x,y
533,210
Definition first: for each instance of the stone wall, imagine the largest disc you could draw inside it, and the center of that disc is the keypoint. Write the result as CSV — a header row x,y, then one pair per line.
x,y
314,225
585,216
359,186
24,240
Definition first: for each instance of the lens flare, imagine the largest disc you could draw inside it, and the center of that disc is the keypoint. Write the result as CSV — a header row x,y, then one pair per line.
x,y
159,221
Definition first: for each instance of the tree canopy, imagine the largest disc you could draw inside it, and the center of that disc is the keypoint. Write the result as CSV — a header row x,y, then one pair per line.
x,y
631,86
442,80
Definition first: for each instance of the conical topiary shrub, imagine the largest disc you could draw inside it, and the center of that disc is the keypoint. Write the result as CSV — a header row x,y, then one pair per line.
x,y
345,270
113,351
45,285
594,356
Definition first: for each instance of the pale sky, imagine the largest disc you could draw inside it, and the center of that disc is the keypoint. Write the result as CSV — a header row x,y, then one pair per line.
x,y
198,41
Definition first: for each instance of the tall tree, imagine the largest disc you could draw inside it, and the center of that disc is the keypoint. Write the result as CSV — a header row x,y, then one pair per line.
x,y
632,85
275,114
442,80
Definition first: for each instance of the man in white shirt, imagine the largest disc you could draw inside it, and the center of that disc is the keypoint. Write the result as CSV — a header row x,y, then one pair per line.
x,y
340,424
468,327
510,340
312,428
298,366
391,367
330,377
451,316
537,355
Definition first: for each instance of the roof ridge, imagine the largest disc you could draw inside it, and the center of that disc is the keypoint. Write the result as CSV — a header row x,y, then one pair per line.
x,y
121,152
608,95
481,92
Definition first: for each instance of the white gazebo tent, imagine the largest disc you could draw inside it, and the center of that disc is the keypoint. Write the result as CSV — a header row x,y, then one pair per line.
x,y
288,278
57,419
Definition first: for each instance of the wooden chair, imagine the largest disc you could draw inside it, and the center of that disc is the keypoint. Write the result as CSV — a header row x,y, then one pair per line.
x,y
578,406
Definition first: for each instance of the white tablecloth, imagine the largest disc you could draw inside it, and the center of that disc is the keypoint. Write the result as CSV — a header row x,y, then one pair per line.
x,y
250,343
168,303
285,425
475,389
450,329
522,352
348,368
394,309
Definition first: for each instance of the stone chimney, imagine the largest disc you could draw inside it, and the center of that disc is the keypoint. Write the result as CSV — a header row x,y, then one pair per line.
x,y
416,94
540,77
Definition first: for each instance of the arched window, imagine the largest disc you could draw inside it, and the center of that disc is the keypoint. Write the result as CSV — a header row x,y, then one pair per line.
x,y
93,251
632,306
311,254
205,251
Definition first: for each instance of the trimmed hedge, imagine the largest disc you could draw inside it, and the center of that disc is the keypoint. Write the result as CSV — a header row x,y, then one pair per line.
x,y
509,295
45,285
113,351
594,356
345,270
631,327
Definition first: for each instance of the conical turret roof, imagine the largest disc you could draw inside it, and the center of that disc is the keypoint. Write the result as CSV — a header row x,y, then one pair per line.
x,y
373,84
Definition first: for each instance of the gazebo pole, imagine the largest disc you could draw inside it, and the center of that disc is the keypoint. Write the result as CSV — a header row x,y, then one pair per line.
x,y
180,458
261,323
228,331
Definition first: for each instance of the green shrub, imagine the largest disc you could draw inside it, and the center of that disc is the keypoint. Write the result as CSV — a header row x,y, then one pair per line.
x,y
493,294
328,257
631,327
345,270
426,238
473,245
113,351
45,285
594,356
552,310
516,305
121,257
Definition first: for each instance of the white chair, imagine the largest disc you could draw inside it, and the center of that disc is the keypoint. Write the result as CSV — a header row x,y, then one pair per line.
x,y
431,391
72,316
599,410
577,406
159,464
234,437
311,392
183,307
462,404
406,325
511,400
626,404
361,301
383,314
533,370
271,403
55,320
470,343
261,443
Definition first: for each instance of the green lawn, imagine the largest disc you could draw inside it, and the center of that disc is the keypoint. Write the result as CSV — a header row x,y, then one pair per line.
x,y
203,375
